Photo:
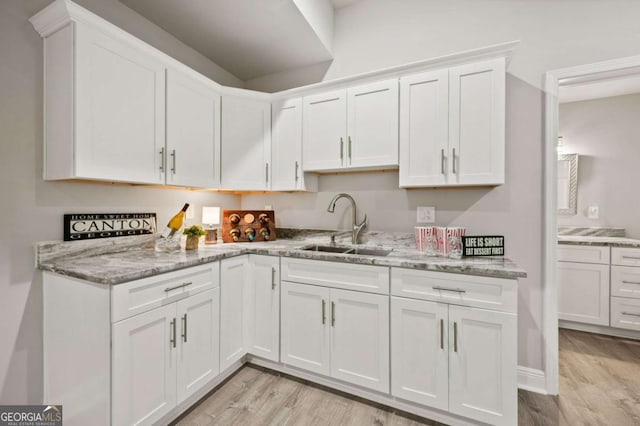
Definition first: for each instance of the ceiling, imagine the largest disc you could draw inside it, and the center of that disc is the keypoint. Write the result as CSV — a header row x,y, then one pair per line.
x,y
248,38
600,88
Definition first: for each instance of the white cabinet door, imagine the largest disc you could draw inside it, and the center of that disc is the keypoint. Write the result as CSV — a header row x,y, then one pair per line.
x,y
483,365
360,338
286,145
234,274
246,144
477,123
120,110
305,327
193,132
324,131
424,129
372,124
263,310
583,292
143,359
198,331
420,351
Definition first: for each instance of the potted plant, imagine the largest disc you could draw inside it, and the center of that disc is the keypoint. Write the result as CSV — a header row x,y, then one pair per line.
x,y
193,234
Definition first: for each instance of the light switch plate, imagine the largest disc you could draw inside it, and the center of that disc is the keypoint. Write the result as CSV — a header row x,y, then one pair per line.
x,y
426,215
593,212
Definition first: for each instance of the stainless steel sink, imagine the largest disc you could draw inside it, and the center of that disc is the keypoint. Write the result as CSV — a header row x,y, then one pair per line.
x,y
347,250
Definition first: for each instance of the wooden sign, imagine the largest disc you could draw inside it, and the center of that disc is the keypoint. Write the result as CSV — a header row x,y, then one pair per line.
x,y
483,245
87,226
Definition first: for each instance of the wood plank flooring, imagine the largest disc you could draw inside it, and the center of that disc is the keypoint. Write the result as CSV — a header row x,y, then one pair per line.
x,y
599,385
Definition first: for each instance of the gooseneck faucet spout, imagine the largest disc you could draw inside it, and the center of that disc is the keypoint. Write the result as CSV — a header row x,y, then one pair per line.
x,y
356,228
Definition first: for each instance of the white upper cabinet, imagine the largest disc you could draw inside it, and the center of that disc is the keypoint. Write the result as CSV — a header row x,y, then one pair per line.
x,y
452,126
116,111
324,131
193,132
246,143
372,125
352,128
286,148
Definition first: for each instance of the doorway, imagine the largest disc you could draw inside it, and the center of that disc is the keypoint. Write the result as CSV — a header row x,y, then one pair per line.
x,y
554,80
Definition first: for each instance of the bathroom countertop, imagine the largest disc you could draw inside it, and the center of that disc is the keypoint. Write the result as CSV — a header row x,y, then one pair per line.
x,y
119,260
584,240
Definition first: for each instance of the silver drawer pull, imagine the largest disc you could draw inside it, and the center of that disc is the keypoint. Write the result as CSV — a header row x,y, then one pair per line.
x,y
168,289
455,290
630,282
630,313
631,257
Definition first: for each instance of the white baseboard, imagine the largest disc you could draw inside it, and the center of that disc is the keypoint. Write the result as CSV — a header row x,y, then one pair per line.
x,y
532,379
600,329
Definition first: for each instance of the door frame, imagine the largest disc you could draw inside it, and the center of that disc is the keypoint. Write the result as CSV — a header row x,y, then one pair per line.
x,y
552,81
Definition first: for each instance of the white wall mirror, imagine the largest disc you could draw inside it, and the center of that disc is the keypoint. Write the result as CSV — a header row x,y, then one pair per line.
x,y
567,184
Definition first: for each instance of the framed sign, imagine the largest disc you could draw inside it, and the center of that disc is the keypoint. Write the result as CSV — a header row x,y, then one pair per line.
x,y
87,226
483,245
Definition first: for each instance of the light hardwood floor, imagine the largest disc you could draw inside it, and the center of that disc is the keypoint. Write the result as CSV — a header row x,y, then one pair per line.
x,y
599,385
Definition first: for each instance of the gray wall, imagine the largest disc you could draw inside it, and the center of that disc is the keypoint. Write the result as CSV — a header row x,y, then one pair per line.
x,y
374,34
604,132
32,209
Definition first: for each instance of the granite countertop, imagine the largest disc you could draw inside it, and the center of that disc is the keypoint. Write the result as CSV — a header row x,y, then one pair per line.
x,y
129,258
584,240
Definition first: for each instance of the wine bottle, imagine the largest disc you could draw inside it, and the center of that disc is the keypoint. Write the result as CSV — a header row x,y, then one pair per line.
x,y
175,223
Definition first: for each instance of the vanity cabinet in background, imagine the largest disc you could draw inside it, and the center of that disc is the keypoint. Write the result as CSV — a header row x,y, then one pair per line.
x,y
452,126
353,128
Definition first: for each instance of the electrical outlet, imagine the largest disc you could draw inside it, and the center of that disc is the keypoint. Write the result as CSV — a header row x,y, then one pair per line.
x,y
189,214
593,212
426,215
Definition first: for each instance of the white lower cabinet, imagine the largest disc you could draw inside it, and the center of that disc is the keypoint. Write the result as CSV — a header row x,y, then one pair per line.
x,y
340,333
583,292
452,357
263,309
234,284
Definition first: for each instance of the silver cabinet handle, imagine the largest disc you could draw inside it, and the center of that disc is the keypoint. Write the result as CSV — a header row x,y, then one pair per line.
x,y
455,290
333,314
168,289
266,172
341,149
441,334
630,282
442,161
162,159
297,171
324,315
631,313
184,328
453,161
173,161
349,148
172,337
455,336
631,257
273,278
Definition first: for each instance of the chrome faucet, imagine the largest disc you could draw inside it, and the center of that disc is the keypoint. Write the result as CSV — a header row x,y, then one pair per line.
x,y
356,228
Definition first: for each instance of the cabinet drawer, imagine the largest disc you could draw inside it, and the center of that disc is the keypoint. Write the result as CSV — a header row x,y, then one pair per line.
x,y
583,254
625,313
497,294
139,296
625,281
373,279
625,256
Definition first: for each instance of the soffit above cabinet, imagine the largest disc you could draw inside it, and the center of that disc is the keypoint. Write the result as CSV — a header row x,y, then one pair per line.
x,y
248,38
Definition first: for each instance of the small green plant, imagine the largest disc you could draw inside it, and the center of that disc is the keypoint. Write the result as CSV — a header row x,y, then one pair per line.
x,y
194,231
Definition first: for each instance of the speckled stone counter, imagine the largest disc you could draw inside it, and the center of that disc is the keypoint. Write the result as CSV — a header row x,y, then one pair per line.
x,y
119,260
592,231
598,241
